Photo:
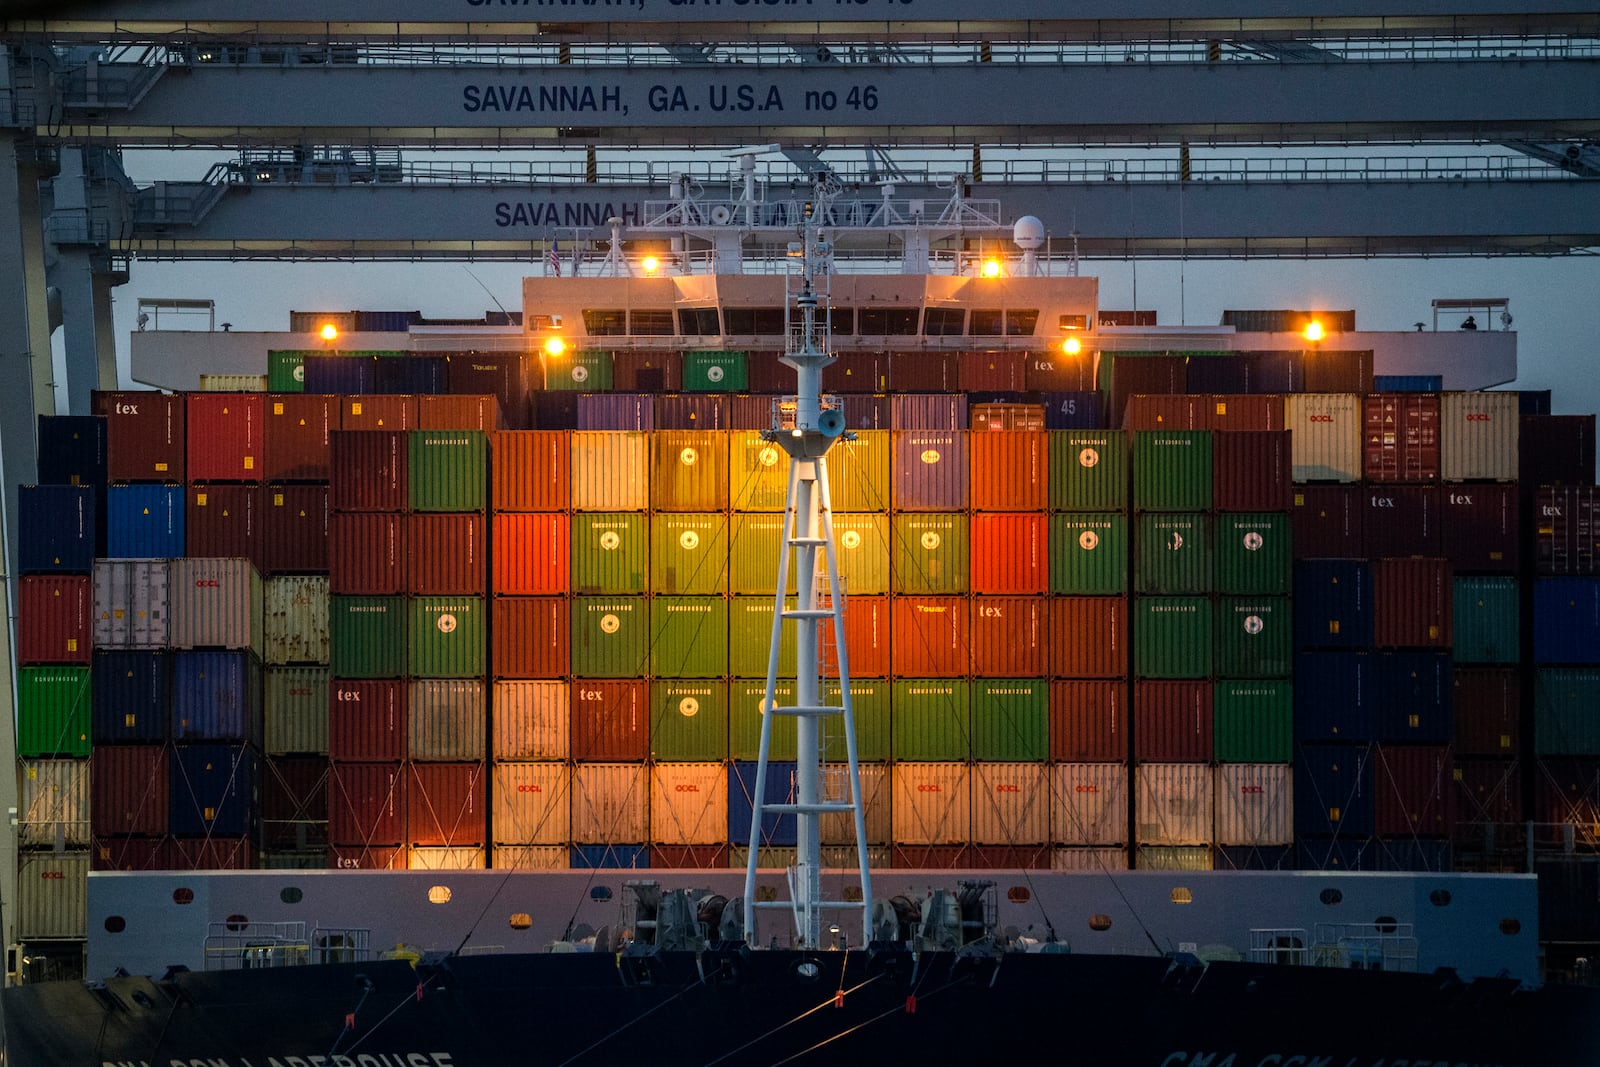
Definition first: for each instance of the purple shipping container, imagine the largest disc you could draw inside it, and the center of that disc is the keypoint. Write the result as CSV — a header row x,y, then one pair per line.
x,y
1412,694
1333,604
752,412
369,470
1479,532
1250,470
916,411
1401,520
864,412
616,411
1567,529
341,374
930,470
409,374
216,696
1327,521
692,411
1333,697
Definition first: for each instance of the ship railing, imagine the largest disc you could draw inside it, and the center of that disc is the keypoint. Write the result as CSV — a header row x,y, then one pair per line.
x,y
235,946
1286,945
482,950
1382,946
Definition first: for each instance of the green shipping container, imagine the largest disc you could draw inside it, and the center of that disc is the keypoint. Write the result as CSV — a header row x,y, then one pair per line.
x,y
610,637
1565,721
930,553
610,552
932,719
1172,554
1088,470
1172,637
1172,470
753,559
1010,719
870,707
1252,553
578,372
862,545
758,472
1089,553
858,472
1255,637
1253,721
688,553
715,372
689,470
689,720
746,697
689,637
448,636
53,712
286,370
449,470
367,636
1487,620
750,638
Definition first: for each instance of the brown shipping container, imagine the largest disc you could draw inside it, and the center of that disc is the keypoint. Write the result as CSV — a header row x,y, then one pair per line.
x,y
1327,521
368,470
1164,411
1009,857
646,371
999,371
1055,371
924,372
1008,636
1008,471
451,412
1567,537
132,853
689,857
1411,601
530,636
931,637
367,804
222,520
503,374
225,437
1479,530
294,530
294,803
1400,435
295,444
853,372
146,440
931,857
379,411
866,633
367,720
128,790
1336,372
610,719
1487,791
1088,721
1172,722
532,553
1088,637
1414,791
445,554
57,620
1241,411
529,470
447,803
1488,710
1131,375
1250,471
366,553
448,719
1400,520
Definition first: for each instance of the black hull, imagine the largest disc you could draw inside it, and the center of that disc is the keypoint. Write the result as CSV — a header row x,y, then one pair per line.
x,y
740,1008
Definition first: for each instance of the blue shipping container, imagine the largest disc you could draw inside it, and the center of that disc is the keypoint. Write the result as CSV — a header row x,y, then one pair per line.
x,y
340,374
72,450
1071,411
1333,853
616,411
1333,697
1412,698
212,790
775,829
414,375
144,521
1407,383
56,529
1332,603
216,696
1566,620
1217,374
686,411
1277,372
555,409
129,697
610,857
1333,791
1533,402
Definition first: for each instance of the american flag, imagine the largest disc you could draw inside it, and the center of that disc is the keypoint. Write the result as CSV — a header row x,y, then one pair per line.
x,y
552,259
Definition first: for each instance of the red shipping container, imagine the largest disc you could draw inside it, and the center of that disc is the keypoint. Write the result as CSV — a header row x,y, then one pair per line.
x,y
1326,521
1335,372
1568,791
866,633
1163,411
689,857
1088,637
765,375
1054,371
1412,603
1009,857
532,553
992,371
1088,722
1567,534
294,802
1131,375
1400,437
1008,636
445,554
295,444
1008,470
1250,471
225,437
294,530
1479,532
378,411
212,854
447,804
366,804
529,637
222,521
128,790
368,470
146,437
132,853
530,470
367,857
931,637
1008,553
931,857
1487,791
1488,711
367,720
610,719
1241,411
924,372
366,553
504,375
57,619
853,372
1172,722
1400,520
647,371
1414,791
453,412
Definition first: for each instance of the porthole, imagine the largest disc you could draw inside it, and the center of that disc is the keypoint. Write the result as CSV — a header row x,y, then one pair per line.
x,y
183,895
290,894
438,894
1439,898
1100,923
236,923
521,920
1019,894
1330,896
808,970
115,924
1181,895
1386,924
600,892
1510,927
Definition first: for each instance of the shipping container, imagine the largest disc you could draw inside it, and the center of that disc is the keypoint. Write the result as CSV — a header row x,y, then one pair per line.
x,y
293,530
393,411
1007,636
1415,791
294,710
530,470
1337,372
446,554
446,858
1238,411
1407,383
932,803
1402,520
1089,804
223,520
367,553
1479,528
367,720
1173,858
56,623
1010,804
212,790
1567,791
1479,436
838,829
294,804
1008,471
693,411
130,693
53,711
1172,722
144,521
750,638
128,790
610,857
447,637
1009,418
532,552
57,529
931,553
213,853
689,470
747,709
1566,620
369,470
52,896
409,373
366,809
858,472
1008,551
1010,719
689,637
1173,804
338,372
580,371
1172,470
295,620
757,539
54,804
1088,553
1253,553
503,375
1567,529
1164,411
870,709
611,802
1251,470
145,435
531,803
225,436
530,637
647,371
1276,372
932,719
1088,721
1565,722
1411,693
1172,637
294,444
555,411
367,636
1254,858
216,603
984,371
1072,410
1412,605
530,720
688,552
932,637
688,720
758,472
216,696
1254,637
758,411
1557,450
1486,620
926,857
1487,792
715,372
1125,374
448,720
1326,434
941,408
1333,697
1253,721
861,546
1254,804
1488,707
610,637
1333,604
610,719
448,470
1326,521
1173,553
72,449
1056,370
1088,637
1400,435
689,803
459,413
1217,372
616,411
930,471
447,804
610,471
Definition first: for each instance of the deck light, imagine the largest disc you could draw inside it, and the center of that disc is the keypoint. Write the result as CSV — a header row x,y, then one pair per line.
x,y
554,346
1314,331
329,332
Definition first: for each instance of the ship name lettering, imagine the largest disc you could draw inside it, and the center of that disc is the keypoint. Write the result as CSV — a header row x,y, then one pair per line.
x,y
476,98
547,214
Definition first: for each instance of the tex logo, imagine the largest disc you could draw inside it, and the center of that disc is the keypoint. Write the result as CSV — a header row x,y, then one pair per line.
x,y
1089,457
931,540
1253,625
1088,540
689,540
688,707
446,623
1252,541
609,623
610,540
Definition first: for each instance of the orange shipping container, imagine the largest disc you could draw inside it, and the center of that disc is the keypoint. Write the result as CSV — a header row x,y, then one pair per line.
x,y
532,553
1008,471
448,412
1008,636
1008,553
931,637
530,637
529,470
866,634
446,554
1088,637
610,719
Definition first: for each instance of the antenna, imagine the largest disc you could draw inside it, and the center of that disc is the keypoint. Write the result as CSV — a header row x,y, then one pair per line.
x,y
497,304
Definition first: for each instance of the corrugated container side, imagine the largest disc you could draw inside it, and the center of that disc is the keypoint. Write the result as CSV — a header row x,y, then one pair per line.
x,y
53,896
1250,470
1174,804
932,637
1072,410
367,636
294,803
715,371
1008,553
1254,553
1253,721
1238,411
295,710
1010,804
1411,696
531,803
295,620
1415,791
294,530
858,472
224,437
1488,791
1254,637
54,804
446,858
862,548
1566,620
753,558
1480,529
144,521
1088,637
234,852
530,470
689,637
134,853
1254,804
932,803
839,828
223,520
531,636
647,371
447,637
1088,721
689,803
1327,521
750,637
1407,383
295,442
72,449
446,554
581,371
932,719
870,704
693,411
1488,709
216,603
984,371
930,470
940,408
931,553
532,553
689,470
1333,791
1173,553
1089,804
610,471
216,696
1010,719
530,720
1400,432
1337,372
688,719
57,528
338,372
409,372
448,719
1172,722
367,554
1164,411
610,637
56,620
1007,636
129,696
610,802
1174,858
1096,860
1333,697
747,704
1333,604
1088,553
758,475
1565,792
391,409
1567,529
1480,436
366,720
455,413
1172,637
1412,598
369,470
53,706
1486,620
1564,720
504,375
128,785
1008,471
1172,470
212,790
610,719
146,435
1125,374
1054,370
531,857
1218,372
853,372
446,804
448,470
1326,431
366,805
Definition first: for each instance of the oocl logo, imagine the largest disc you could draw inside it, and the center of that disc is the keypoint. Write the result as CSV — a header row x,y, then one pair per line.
x,y
686,787
610,624
688,540
688,457
768,457
580,373
1088,457
446,623
931,540
851,539
714,374
1088,540
1253,624
610,540
688,707
930,456
529,788
1252,541
929,787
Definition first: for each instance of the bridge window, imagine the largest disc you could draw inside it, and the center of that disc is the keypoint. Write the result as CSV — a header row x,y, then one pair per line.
x,y
1074,322
768,321
650,322
1021,323
944,322
605,322
698,322
899,322
842,321
986,322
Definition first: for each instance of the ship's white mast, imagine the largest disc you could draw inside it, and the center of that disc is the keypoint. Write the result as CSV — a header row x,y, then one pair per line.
x,y
808,531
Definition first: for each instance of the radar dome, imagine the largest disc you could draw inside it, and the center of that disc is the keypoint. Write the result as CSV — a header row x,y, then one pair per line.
x,y
1028,232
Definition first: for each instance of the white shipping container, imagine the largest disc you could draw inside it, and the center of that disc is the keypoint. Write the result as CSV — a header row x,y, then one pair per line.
x,y
610,470
52,896
1325,436
295,708
840,828
1173,804
932,803
437,858
532,857
1095,860
233,383
55,804
531,720
772,857
1174,858
1089,804
610,803
131,603
1255,804
1479,436
689,803
844,858
216,603
295,623
531,803
446,719
1010,804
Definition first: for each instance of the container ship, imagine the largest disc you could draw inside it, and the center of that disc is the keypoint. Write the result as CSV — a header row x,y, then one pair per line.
x,y
1225,695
